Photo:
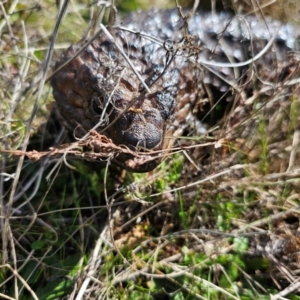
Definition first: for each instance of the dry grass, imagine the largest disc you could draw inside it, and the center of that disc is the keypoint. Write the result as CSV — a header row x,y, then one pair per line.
x,y
219,223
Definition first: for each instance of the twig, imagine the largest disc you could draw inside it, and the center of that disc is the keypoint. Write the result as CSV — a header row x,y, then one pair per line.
x,y
125,57
294,150
291,288
94,261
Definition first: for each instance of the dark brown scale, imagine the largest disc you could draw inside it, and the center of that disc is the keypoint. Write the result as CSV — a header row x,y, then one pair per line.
x,y
101,83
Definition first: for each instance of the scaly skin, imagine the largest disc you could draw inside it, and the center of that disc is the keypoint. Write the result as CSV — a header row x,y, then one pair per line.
x,y
100,82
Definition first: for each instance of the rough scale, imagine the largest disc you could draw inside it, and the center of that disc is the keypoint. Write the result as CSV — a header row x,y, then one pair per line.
x,y
99,89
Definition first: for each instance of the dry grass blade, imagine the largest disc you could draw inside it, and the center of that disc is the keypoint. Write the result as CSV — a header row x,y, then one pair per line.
x,y
17,275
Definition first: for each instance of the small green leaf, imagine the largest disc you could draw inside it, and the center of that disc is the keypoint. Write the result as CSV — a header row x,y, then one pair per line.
x,y
38,244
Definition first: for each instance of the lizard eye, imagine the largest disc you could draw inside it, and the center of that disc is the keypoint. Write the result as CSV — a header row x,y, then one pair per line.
x,y
99,103
97,106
